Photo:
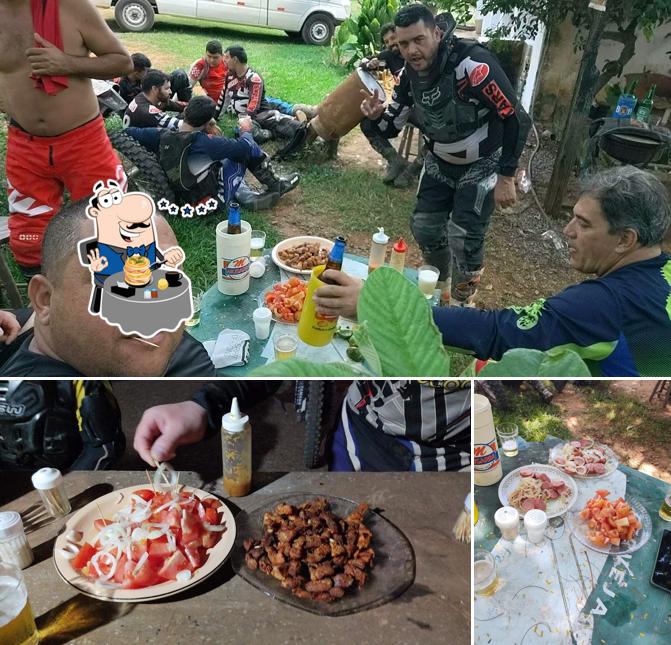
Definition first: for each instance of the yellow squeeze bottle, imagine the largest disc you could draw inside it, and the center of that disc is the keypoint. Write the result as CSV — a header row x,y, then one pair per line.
x,y
313,328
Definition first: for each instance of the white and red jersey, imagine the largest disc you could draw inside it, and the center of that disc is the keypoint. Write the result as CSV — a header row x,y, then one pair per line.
x,y
244,94
211,79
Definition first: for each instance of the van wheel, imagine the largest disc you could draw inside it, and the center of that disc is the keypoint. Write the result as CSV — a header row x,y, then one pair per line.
x,y
134,15
318,29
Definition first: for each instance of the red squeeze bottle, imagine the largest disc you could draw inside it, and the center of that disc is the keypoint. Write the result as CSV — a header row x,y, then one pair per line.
x,y
398,251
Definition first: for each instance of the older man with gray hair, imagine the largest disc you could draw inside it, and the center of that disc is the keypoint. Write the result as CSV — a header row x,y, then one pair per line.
x,y
619,322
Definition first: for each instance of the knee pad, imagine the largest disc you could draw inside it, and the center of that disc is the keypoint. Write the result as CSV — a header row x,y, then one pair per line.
x,y
430,230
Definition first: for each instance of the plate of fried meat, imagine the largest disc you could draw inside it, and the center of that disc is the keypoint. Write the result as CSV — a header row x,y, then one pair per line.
x,y
323,554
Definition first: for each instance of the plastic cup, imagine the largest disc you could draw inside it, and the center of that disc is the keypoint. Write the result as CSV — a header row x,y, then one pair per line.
x,y
508,520
507,434
285,347
427,279
17,624
257,244
262,317
484,573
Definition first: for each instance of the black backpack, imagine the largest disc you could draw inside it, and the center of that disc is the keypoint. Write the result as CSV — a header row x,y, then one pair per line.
x,y
173,155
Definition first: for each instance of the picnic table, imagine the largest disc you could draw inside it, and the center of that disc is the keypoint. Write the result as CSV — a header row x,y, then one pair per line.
x,y
601,599
219,311
226,609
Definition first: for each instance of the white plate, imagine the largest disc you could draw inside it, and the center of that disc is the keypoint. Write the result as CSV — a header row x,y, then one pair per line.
x,y
612,461
580,530
555,507
295,241
108,505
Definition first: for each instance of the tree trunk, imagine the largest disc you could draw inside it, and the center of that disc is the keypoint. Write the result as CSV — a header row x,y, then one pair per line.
x,y
615,67
575,130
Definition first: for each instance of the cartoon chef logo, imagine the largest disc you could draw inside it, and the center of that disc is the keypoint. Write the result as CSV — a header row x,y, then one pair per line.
x,y
127,267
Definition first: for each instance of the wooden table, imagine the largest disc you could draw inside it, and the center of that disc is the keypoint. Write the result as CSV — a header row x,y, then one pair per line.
x,y
226,609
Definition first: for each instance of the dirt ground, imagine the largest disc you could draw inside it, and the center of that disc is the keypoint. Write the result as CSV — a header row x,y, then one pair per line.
x,y
652,458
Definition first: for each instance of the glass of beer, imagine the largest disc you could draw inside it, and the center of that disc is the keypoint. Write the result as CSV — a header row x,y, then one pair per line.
x,y
196,299
508,433
285,346
665,508
258,243
427,279
17,625
484,573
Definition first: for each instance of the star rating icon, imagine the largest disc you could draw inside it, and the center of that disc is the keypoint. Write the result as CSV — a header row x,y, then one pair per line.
x,y
201,210
163,204
187,210
173,209
211,204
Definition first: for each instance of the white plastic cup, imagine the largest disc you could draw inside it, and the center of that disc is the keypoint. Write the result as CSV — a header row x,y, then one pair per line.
x,y
262,317
535,522
427,279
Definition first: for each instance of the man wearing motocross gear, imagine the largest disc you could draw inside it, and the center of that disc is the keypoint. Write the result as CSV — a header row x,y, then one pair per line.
x,y
474,129
56,137
69,425
244,95
233,156
131,84
143,110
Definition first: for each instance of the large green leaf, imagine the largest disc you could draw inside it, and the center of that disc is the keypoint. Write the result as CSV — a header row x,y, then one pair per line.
x,y
362,339
401,327
532,362
300,368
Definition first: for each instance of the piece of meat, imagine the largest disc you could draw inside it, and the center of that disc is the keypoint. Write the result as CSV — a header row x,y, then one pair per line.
x,y
312,541
366,555
527,504
525,472
321,571
553,494
248,544
336,592
251,563
343,580
364,538
318,554
539,503
317,586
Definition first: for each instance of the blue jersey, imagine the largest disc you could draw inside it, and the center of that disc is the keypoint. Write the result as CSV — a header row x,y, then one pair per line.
x,y
620,324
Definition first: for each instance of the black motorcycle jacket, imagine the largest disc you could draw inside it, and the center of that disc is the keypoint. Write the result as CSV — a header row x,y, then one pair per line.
x,y
465,104
69,425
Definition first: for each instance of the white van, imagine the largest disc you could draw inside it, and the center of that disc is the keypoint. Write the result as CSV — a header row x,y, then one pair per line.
x,y
311,20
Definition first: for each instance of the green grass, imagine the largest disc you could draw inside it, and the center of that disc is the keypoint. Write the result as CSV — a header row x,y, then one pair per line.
x,y
535,419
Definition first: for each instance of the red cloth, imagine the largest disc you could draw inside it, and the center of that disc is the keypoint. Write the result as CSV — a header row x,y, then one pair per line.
x,y
37,170
47,23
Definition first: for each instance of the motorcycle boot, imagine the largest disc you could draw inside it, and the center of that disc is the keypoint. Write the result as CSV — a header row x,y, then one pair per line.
x,y
254,200
265,173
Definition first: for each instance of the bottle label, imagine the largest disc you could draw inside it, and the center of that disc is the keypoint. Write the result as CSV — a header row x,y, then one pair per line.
x,y
235,268
486,456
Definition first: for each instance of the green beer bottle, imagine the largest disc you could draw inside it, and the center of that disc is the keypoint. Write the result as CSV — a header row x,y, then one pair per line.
x,y
644,108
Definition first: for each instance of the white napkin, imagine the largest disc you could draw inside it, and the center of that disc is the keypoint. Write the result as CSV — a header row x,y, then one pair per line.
x,y
231,349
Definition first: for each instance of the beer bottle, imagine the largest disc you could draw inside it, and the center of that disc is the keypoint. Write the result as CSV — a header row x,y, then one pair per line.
x,y
335,258
234,225
644,109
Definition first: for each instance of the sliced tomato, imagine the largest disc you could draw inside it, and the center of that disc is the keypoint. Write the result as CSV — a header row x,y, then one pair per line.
x,y
146,494
160,550
191,528
138,549
211,502
100,524
211,516
173,565
86,552
145,576
192,551
210,538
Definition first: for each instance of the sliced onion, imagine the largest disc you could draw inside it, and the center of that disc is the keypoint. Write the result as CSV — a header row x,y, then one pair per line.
x,y
183,576
214,527
74,536
68,555
165,477
141,561
72,548
113,564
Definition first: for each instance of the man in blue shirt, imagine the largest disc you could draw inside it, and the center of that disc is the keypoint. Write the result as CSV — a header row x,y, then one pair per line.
x,y
228,159
618,322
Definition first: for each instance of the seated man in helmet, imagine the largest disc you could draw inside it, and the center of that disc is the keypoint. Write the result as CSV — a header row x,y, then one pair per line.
x,y
214,166
69,425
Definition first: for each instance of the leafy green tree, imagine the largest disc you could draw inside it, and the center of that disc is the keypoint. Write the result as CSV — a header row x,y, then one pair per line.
x,y
627,20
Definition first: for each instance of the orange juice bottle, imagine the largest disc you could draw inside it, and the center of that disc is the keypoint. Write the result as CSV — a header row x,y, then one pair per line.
x,y
313,328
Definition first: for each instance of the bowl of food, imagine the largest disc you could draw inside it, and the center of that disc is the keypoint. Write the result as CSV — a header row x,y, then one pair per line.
x,y
609,526
139,544
326,555
301,254
538,486
584,459
285,300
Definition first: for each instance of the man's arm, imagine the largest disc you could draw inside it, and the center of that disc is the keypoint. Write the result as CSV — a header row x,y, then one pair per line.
x,y
111,57
196,71
150,138
220,148
397,112
255,85
585,317
488,83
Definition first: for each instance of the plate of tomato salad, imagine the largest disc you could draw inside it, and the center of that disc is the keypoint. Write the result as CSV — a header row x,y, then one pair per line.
x,y
138,544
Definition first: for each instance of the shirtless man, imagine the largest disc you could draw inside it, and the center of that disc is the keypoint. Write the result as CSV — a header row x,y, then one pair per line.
x,y
56,136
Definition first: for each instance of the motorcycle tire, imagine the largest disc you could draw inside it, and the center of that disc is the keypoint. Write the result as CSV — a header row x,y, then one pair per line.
x,y
142,167
324,401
